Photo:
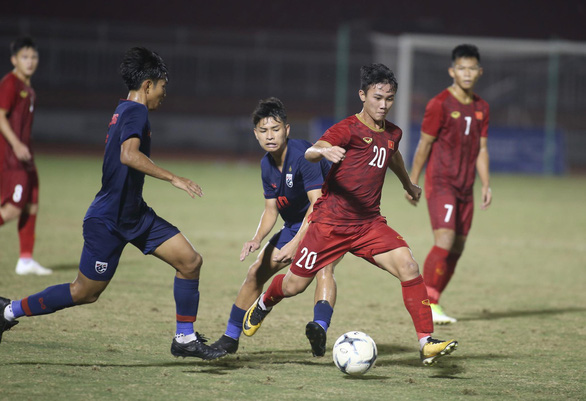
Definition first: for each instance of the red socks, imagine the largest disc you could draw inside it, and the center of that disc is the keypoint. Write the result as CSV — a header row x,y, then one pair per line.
x,y
274,293
417,304
26,234
435,271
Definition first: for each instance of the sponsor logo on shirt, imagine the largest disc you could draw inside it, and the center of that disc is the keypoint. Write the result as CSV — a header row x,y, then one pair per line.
x,y
391,145
114,120
479,115
101,267
289,180
455,114
367,139
23,94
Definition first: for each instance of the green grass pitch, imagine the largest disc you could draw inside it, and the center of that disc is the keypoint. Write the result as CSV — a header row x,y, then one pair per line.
x,y
519,295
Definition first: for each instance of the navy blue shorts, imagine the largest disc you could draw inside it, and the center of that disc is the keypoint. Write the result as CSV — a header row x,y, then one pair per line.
x,y
285,235
102,248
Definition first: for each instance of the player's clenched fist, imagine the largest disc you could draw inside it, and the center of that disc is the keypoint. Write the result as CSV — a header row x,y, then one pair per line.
x,y
335,154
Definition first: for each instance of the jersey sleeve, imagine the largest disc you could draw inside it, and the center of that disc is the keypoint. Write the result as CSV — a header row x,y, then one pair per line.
x,y
337,135
311,174
7,94
134,121
432,119
484,130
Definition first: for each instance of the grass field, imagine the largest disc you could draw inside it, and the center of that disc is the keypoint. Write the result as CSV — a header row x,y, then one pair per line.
x,y
518,294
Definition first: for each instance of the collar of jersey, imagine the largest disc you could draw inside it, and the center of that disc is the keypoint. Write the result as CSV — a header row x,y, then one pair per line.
x,y
369,127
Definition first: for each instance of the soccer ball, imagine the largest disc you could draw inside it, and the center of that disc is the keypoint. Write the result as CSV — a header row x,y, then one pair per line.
x,y
354,353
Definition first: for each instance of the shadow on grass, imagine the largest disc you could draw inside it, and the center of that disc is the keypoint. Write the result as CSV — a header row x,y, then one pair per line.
x,y
489,315
212,367
64,267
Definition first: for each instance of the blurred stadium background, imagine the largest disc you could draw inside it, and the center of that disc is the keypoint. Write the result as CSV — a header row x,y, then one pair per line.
x,y
224,57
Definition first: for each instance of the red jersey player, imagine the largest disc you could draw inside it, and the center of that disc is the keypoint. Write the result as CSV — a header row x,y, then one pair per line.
x,y
453,142
19,184
347,217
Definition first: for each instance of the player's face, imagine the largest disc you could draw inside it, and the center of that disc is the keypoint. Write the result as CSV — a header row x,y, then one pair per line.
x,y
25,62
156,93
377,101
271,134
466,71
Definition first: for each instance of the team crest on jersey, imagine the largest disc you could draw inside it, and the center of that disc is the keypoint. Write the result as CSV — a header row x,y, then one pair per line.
x,y
289,180
23,94
391,145
455,114
367,140
479,115
101,267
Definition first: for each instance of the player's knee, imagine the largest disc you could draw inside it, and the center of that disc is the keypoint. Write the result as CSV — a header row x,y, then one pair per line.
x,y
82,295
292,288
408,270
193,264
257,274
10,212
445,240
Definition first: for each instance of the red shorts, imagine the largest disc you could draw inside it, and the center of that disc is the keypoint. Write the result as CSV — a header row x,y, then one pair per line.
x,y
19,187
325,243
447,211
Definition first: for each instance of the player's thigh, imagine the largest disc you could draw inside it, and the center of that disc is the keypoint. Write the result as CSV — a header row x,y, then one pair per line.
x,y
101,251
376,237
321,245
464,217
399,262
165,241
178,252
264,267
443,210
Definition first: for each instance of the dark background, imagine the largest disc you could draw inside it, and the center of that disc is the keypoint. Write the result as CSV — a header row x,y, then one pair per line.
x,y
504,19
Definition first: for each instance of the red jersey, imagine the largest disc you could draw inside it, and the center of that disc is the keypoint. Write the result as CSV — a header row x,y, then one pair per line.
x,y
458,128
352,190
18,99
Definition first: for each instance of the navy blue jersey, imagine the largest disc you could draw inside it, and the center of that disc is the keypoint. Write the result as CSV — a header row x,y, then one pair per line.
x,y
290,186
119,203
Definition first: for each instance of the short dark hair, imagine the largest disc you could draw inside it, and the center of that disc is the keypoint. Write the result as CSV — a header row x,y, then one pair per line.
x,y
140,64
377,74
271,107
22,43
466,51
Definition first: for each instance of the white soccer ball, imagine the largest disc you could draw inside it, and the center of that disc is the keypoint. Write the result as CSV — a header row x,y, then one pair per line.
x,y
354,353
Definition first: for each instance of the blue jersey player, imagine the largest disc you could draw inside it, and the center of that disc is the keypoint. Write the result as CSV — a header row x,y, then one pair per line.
x,y
291,186
119,215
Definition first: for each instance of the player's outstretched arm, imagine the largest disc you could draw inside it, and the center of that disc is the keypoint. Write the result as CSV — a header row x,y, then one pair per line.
x,y
397,165
419,159
482,163
266,224
131,156
322,149
21,151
